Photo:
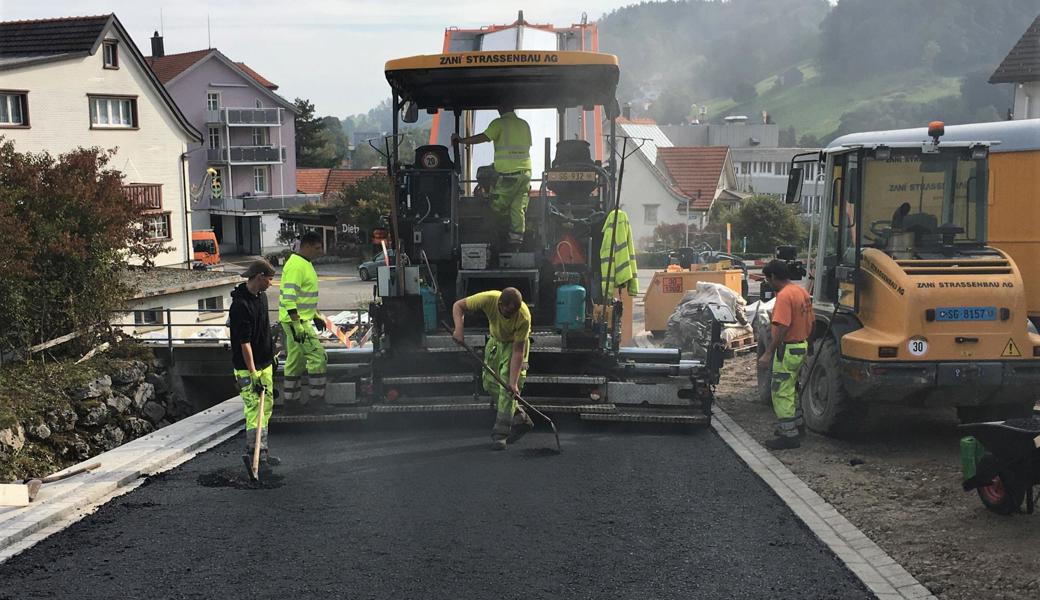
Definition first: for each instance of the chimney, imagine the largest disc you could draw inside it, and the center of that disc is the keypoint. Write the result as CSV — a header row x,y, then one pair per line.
x,y
157,46
626,111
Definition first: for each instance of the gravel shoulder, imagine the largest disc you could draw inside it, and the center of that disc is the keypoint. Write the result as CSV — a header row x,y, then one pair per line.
x,y
900,483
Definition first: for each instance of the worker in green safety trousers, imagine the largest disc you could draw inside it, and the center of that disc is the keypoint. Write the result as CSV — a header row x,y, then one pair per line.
x,y
300,320
621,271
252,356
512,138
792,324
506,353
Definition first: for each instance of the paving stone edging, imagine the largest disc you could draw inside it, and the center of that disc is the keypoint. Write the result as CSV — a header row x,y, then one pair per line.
x,y
886,578
62,503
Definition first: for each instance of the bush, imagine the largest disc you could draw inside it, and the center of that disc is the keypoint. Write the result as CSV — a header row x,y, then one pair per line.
x,y
69,234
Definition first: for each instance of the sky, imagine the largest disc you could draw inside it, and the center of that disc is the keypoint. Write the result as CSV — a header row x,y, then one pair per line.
x,y
331,52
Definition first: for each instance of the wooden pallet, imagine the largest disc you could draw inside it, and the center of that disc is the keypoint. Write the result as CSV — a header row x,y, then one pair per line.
x,y
741,345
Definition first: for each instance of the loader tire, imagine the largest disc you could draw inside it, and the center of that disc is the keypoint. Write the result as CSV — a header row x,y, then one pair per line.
x,y
994,412
1001,496
826,405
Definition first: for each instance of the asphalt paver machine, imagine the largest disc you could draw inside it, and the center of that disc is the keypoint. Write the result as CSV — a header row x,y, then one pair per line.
x,y
448,247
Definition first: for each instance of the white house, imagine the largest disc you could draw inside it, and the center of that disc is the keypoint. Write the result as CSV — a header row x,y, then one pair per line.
x,y
81,82
1021,68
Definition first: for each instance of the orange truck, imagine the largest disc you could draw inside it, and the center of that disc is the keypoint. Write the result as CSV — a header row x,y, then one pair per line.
x,y
206,249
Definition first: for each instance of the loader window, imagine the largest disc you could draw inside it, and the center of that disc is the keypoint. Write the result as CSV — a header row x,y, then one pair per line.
x,y
911,199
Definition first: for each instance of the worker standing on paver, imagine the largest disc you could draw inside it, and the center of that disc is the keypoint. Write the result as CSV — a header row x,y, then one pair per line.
x,y
506,353
792,324
252,355
301,322
509,197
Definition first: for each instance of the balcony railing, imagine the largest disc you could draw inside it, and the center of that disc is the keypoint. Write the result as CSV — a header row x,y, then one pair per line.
x,y
144,196
246,155
247,204
245,117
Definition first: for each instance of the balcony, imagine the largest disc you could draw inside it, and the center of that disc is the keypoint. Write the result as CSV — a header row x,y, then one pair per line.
x,y
144,196
247,155
245,117
260,204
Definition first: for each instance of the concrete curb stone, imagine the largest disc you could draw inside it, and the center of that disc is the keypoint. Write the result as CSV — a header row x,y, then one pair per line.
x,y
872,565
62,503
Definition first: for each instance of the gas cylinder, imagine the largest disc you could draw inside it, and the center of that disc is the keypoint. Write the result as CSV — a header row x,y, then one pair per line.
x,y
570,307
429,308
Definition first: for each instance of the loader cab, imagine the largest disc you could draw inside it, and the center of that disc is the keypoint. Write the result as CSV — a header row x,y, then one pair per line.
x,y
912,202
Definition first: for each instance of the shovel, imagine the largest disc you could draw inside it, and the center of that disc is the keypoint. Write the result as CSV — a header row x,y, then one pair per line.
x,y
259,429
21,494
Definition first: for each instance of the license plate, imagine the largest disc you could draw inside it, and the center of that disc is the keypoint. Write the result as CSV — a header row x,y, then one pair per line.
x,y
966,313
571,176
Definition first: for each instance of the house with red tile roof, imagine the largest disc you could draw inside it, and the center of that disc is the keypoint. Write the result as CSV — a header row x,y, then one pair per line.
x,y
327,183
249,142
662,181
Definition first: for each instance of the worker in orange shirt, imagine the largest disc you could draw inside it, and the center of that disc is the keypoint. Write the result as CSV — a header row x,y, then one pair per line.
x,y
792,323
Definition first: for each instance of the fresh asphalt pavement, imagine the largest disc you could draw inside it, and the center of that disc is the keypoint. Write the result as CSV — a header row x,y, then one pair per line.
x,y
431,512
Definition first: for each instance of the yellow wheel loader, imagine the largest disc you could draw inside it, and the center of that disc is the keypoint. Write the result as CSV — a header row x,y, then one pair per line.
x,y
911,304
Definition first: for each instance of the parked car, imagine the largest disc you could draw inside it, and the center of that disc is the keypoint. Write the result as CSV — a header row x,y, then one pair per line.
x,y
367,269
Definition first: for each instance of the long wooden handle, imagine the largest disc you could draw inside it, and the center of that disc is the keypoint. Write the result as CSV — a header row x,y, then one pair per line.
x,y
259,430
67,474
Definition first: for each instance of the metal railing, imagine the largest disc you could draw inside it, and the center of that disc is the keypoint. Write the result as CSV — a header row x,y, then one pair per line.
x,y
354,326
245,117
246,154
263,203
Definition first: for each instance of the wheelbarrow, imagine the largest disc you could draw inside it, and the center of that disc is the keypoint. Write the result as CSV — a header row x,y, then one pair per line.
x,y
1001,462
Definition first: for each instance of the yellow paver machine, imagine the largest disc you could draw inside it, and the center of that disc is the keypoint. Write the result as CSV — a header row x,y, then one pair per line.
x,y
447,247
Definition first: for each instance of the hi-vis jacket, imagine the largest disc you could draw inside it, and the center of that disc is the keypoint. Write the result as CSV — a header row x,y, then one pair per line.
x,y
624,265
298,289
512,138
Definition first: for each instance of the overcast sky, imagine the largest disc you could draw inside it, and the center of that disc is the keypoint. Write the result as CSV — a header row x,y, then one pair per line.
x,y
331,52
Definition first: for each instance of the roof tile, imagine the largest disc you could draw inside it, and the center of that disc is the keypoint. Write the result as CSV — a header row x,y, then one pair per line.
x,y
311,181
695,169
169,66
51,36
1023,62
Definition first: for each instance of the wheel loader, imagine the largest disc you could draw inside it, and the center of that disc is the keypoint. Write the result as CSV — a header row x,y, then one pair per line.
x,y
912,305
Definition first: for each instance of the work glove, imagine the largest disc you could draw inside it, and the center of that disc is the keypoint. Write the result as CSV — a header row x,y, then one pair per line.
x,y
255,382
319,323
299,334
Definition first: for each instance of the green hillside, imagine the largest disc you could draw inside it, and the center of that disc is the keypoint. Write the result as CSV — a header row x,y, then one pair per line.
x,y
815,107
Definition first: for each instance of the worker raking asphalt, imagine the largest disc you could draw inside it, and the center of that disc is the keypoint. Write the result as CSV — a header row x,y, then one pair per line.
x,y
432,514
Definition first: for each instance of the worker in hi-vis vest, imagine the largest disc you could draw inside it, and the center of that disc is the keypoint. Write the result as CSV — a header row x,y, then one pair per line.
x,y
301,321
512,138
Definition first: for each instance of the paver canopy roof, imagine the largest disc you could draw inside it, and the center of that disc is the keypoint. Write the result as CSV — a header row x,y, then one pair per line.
x,y
515,78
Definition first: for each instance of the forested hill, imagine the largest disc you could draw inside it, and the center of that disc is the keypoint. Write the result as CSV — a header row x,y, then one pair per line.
x,y
817,69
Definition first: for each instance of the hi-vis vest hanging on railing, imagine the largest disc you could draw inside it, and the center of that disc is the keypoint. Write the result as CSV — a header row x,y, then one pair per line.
x,y
624,265
512,138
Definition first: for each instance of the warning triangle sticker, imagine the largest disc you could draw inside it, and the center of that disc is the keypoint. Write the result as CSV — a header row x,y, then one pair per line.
x,y
1011,349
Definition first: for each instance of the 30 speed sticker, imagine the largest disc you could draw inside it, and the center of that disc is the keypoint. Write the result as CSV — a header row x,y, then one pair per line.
x,y
917,346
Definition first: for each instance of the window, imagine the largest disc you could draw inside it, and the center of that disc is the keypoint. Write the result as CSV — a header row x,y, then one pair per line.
x,y
13,111
780,168
261,136
212,100
113,113
110,49
157,227
745,168
260,180
214,138
259,104
149,316
650,214
211,304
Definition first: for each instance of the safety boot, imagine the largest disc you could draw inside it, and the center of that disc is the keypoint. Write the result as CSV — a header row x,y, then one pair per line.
x,y
266,457
783,443
498,444
523,425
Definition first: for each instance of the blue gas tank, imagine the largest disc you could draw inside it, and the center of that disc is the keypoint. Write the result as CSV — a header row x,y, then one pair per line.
x,y
570,307
429,308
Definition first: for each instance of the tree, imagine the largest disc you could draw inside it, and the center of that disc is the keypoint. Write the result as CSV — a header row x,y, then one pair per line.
x,y
788,138
364,205
672,107
744,92
810,141
670,235
69,234
766,221
314,144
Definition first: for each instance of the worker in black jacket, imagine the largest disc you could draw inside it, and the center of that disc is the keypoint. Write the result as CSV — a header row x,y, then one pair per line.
x,y
252,354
